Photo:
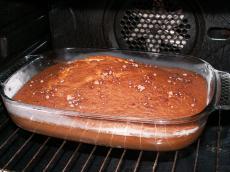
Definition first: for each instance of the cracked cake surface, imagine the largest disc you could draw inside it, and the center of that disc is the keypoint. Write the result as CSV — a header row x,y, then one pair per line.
x,y
108,85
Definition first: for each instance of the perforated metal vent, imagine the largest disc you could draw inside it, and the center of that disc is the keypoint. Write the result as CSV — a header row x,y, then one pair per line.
x,y
160,28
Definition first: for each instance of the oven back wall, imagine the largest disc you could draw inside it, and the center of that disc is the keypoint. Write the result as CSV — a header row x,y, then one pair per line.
x,y
188,27
23,25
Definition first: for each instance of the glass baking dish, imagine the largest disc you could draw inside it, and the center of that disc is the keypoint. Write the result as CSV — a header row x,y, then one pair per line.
x,y
116,131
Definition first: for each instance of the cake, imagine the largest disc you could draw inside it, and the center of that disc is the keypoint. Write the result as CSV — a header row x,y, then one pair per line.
x,y
128,96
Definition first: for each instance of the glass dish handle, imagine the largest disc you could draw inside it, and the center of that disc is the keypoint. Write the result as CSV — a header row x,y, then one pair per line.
x,y
224,101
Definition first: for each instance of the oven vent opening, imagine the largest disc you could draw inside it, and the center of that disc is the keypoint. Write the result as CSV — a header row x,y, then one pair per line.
x,y
163,27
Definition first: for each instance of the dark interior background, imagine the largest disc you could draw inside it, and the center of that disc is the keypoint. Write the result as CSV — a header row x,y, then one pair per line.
x,y
98,25
30,27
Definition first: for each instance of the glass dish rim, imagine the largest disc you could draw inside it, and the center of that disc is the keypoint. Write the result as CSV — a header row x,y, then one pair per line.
x,y
196,117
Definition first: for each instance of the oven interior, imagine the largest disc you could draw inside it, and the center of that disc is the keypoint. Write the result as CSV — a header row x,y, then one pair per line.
x,y
199,28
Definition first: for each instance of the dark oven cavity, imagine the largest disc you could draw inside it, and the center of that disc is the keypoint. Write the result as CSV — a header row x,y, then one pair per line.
x,y
200,28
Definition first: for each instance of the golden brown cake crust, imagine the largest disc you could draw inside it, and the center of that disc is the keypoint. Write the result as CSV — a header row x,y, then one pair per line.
x,y
114,86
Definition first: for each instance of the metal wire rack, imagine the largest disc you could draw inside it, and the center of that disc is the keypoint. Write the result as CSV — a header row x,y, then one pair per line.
x,y
25,151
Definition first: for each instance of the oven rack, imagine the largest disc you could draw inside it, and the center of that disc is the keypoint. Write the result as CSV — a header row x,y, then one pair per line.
x,y
25,151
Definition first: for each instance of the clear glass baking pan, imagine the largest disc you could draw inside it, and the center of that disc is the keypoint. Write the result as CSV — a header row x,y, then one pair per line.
x,y
143,133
